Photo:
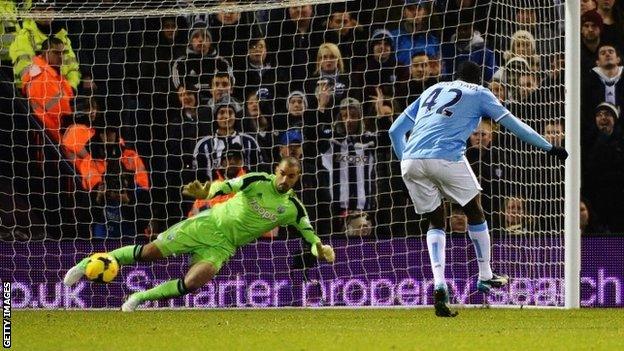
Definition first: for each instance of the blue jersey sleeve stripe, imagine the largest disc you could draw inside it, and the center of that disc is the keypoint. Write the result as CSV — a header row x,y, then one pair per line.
x,y
501,116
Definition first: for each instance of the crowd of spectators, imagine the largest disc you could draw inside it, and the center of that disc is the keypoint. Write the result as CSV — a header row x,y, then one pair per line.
x,y
141,106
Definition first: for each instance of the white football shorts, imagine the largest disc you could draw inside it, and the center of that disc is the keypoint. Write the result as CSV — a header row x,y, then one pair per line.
x,y
429,180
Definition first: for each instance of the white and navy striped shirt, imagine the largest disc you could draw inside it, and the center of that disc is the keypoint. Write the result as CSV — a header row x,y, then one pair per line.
x,y
210,150
350,163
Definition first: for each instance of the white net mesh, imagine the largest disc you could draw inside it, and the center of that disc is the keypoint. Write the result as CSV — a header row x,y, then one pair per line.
x,y
194,91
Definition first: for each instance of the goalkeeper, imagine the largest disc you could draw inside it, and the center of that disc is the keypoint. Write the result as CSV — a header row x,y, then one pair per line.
x,y
261,203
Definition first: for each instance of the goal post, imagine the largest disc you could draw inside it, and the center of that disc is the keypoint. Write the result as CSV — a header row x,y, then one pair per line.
x,y
573,145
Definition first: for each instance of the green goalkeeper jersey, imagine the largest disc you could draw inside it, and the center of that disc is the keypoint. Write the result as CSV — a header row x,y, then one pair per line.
x,y
257,208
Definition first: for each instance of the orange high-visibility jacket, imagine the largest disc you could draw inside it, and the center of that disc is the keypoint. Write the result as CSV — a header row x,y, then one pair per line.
x,y
92,170
49,95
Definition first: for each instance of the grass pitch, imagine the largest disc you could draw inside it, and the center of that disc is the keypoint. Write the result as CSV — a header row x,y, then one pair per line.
x,y
305,329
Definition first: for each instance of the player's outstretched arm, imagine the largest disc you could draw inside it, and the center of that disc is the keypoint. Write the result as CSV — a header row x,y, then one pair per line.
x,y
403,124
303,225
530,136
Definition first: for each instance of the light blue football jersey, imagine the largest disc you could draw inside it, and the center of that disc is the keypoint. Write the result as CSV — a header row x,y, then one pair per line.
x,y
445,115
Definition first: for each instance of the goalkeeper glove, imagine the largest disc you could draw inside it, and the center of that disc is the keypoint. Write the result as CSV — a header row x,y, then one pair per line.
x,y
197,189
558,152
324,252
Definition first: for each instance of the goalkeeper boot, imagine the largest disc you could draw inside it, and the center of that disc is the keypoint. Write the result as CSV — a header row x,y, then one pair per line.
x,y
76,272
496,281
131,303
440,303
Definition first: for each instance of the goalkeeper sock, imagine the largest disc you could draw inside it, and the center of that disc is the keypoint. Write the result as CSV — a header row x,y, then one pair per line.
x,y
436,243
168,289
127,254
480,236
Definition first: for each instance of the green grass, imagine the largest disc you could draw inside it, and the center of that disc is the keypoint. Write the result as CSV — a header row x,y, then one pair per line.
x,y
304,329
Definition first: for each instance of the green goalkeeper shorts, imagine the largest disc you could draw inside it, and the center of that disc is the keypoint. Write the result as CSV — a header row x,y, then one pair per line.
x,y
198,236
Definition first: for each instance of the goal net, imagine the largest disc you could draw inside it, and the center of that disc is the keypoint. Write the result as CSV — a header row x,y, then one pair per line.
x,y
161,95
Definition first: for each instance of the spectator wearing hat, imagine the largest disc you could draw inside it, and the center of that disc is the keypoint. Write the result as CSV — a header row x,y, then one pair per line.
x,y
210,150
604,168
349,162
591,30
255,71
196,69
603,83
382,69
297,113
413,34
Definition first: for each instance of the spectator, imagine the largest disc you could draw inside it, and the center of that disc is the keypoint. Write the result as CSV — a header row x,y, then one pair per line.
x,y
210,150
528,85
9,27
435,66
344,30
297,114
350,161
468,45
413,34
523,45
509,76
587,5
49,93
30,38
553,133
498,90
604,168
328,76
156,62
588,222
603,83
515,220
591,29
232,30
381,67
458,222
196,69
258,124
231,166
222,88
453,10
486,165
541,21
420,79
295,39
611,22
256,73
186,123
123,191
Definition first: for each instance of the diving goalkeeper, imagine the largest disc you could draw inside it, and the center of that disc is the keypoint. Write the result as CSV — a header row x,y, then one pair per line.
x,y
261,203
